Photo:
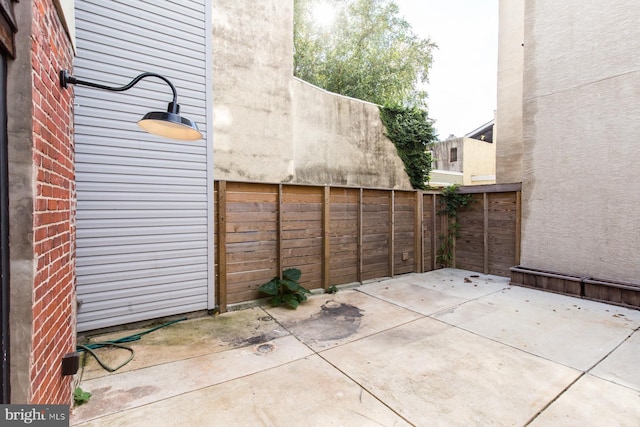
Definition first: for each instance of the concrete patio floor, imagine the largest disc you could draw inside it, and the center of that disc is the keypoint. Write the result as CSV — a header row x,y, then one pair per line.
x,y
444,348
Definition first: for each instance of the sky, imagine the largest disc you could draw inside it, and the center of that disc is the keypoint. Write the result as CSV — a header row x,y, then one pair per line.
x,y
463,76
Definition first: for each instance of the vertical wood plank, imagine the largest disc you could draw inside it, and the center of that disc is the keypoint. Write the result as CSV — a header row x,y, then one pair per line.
x,y
518,226
485,206
445,232
419,233
392,240
326,237
280,226
434,234
222,246
360,232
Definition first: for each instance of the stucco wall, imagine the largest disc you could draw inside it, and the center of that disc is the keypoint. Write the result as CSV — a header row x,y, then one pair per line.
x,y
508,134
442,155
252,68
581,186
271,127
340,140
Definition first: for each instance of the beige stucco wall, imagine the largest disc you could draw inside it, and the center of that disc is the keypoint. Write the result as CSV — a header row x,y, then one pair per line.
x,y
581,184
442,155
339,140
252,68
508,129
475,159
272,127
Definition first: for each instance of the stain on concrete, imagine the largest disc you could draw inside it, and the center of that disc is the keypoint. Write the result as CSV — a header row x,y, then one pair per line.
x,y
258,339
335,321
109,400
190,338
340,310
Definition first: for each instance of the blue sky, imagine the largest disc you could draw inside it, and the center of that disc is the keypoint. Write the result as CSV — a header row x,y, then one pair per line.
x,y
462,81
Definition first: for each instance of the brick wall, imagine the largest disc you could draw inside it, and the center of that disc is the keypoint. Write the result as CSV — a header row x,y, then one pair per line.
x,y
54,208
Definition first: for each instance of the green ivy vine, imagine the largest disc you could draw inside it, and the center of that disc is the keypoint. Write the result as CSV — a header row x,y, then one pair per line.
x,y
451,203
412,132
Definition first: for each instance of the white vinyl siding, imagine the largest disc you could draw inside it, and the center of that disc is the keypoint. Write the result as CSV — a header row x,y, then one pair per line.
x,y
144,230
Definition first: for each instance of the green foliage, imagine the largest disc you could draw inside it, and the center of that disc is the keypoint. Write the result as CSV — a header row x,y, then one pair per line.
x,y
286,289
332,289
80,396
451,203
412,133
368,53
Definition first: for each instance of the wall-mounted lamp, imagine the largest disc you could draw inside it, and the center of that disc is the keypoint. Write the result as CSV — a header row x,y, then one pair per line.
x,y
168,124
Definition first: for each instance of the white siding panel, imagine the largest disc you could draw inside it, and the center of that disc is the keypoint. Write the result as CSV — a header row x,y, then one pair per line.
x,y
93,169
119,259
155,284
140,275
96,253
144,208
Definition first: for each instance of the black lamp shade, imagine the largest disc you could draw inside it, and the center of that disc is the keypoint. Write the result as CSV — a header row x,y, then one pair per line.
x,y
170,125
167,124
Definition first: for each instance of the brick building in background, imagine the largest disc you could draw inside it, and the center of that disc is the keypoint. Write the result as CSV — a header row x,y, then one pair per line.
x,y
40,215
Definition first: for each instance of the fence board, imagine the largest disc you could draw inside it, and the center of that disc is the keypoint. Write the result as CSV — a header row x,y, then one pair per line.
x,y
302,232
502,232
340,235
470,243
343,236
429,234
251,238
376,239
220,287
404,257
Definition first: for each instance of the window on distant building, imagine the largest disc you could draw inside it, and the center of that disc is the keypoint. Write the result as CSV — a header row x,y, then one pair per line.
x,y
453,155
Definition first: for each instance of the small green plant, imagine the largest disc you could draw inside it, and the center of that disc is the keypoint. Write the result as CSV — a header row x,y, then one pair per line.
x,y
451,203
332,289
286,289
80,396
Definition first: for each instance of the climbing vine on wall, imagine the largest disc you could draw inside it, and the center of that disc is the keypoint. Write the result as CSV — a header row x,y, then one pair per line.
x,y
412,132
451,203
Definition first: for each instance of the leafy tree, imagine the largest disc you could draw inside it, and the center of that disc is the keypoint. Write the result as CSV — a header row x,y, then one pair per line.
x,y
412,133
369,52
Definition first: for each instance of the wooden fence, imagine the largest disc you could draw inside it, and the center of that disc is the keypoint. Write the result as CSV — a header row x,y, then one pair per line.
x,y
340,235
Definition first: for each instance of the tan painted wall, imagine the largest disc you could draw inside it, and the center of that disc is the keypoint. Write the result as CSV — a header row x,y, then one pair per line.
x,y
479,161
508,126
272,127
581,186
475,158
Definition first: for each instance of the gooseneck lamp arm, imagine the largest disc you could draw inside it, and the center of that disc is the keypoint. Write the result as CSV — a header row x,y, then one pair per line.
x,y
168,124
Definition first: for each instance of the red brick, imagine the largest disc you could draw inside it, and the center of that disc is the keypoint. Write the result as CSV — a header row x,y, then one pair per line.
x,y
54,207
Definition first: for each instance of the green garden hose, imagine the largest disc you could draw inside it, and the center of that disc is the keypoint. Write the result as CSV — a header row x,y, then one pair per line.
x,y
88,349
